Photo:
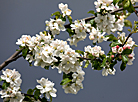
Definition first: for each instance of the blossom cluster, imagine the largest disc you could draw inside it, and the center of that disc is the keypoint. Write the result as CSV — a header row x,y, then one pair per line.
x,y
107,23
76,84
55,26
130,44
105,4
97,36
12,92
46,87
47,51
64,9
95,51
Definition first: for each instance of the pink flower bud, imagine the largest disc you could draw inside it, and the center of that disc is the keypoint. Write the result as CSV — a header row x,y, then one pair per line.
x,y
130,56
120,56
112,56
117,47
128,47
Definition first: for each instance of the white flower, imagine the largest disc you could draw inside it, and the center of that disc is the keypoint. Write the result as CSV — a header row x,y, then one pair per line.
x,y
105,71
64,9
46,86
23,40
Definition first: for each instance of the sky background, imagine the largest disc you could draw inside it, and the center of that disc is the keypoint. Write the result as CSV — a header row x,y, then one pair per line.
x,y
18,17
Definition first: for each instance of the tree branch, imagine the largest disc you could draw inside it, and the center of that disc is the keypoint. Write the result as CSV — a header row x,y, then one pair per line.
x,y
14,57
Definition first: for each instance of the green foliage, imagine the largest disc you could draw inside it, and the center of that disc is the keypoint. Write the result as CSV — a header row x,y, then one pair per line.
x,y
70,31
0,79
65,81
80,52
70,19
24,52
96,64
111,37
44,99
127,51
37,94
57,14
30,91
115,1
92,12
93,23
123,66
127,5
114,43
128,23
104,62
124,58
46,67
86,64
5,85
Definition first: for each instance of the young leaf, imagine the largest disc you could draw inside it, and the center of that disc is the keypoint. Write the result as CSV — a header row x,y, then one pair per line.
x,y
1,79
24,52
57,13
111,37
46,67
86,64
70,19
104,62
30,91
115,1
80,52
37,94
123,66
128,23
114,43
124,58
44,99
127,51
92,12
65,81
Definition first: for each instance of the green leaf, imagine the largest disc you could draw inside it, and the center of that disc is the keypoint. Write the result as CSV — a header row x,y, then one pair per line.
x,y
111,37
5,85
30,91
80,52
57,13
126,4
124,58
65,81
104,62
114,43
1,79
70,31
46,67
90,56
112,64
123,66
86,64
24,52
63,18
96,64
37,94
115,1
70,19
44,99
128,23
92,12
127,51
50,98
93,23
